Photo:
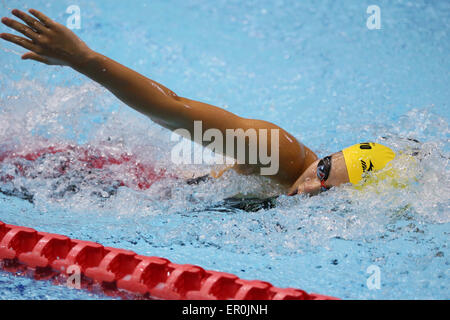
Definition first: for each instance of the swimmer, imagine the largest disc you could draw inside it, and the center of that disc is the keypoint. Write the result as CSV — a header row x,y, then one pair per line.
x,y
300,171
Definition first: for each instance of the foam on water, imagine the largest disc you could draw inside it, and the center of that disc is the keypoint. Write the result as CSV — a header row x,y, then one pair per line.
x,y
314,69
60,117
171,213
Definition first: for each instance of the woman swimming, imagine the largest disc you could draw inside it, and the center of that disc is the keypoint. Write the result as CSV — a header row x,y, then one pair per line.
x,y
299,169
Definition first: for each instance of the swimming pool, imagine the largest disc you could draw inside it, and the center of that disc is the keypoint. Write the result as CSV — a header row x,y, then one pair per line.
x,y
315,70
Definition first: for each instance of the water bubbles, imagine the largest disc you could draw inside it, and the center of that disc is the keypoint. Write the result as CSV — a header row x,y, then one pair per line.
x,y
84,162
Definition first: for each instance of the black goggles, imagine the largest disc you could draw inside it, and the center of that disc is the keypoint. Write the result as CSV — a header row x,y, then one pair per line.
x,y
323,171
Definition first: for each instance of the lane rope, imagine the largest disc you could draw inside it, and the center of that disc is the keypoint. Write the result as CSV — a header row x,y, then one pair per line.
x,y
46,255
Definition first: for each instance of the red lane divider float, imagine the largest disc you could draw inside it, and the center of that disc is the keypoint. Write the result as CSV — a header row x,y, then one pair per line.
x,y
141,175
119,270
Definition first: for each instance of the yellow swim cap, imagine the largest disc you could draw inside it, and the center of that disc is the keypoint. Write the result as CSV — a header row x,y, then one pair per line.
x,y
365,157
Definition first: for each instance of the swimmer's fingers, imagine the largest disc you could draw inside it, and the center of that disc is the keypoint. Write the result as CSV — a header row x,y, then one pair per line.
x,y
27,31
57,43
36,51
27,44
30,21
36,57
43,18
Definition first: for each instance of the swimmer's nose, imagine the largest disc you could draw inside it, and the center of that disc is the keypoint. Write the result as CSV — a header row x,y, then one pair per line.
x,y
293,191
299,190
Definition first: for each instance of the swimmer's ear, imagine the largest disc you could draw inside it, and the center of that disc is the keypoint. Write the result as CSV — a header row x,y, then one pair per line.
x,y
34,56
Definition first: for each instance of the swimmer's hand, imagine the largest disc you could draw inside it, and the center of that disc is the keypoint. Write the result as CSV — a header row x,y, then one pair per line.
x,y
48,41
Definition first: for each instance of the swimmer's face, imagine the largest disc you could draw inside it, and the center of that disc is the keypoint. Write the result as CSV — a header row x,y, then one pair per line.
x,y
309,183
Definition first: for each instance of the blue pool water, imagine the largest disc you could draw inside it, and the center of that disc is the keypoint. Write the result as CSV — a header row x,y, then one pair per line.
x,y
311,67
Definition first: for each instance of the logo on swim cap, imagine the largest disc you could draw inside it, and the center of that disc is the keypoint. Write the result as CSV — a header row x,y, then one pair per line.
x,y
364,157
364,166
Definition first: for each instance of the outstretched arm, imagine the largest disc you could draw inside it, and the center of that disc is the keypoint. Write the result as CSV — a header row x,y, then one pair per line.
x,y
52,43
